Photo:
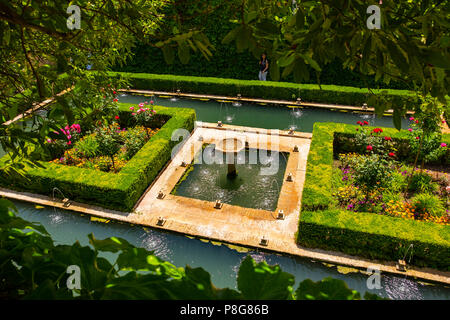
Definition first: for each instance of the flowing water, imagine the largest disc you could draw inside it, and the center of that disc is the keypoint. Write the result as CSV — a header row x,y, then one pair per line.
x,y
221,261
263,116
251,188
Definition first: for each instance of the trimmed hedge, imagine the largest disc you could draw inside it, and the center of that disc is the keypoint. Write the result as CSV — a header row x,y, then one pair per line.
x,y
362,233
257,89
119,191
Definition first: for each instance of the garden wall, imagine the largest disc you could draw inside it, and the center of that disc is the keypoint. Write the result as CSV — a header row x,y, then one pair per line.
x,y
362,233
119,191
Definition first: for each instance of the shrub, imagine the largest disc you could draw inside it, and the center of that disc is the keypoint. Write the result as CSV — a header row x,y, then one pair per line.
x,y
257,89
422,182
428,203
118,191
87,146
364,233
372,172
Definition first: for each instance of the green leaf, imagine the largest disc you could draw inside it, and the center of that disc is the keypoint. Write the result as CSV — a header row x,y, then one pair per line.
x,y
397,56
287,59
231,35
327,289
274,71
183,52
397,117
263,282
268,27
300,19
169,55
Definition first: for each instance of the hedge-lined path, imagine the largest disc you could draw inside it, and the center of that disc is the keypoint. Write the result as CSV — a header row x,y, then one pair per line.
x,y
231,224
254,100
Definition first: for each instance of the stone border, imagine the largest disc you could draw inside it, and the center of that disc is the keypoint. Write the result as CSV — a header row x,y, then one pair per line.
x,y
230,231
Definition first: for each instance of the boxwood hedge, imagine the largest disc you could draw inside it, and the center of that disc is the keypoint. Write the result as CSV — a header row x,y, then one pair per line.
x,y
119,191
256,89
362,233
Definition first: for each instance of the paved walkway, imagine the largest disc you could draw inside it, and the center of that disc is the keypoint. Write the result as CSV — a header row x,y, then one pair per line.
x,y
231,224
255,100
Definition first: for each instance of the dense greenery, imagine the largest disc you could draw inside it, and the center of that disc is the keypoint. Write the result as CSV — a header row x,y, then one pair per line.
x,y
361,233
256,89
226,62
411,45
118,191
33,267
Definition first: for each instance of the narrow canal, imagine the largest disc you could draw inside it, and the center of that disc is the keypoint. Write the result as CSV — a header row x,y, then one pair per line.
x,y
221,261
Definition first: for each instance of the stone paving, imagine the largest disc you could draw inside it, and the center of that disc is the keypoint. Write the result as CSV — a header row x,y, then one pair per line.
x,y
232,224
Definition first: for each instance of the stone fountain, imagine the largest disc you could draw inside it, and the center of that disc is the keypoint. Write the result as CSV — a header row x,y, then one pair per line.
x,y
230,147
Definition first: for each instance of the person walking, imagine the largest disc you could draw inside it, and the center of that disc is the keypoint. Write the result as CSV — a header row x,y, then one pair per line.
x,y
263,67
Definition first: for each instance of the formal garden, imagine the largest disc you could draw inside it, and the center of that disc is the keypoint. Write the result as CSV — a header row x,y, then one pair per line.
x,y
96,108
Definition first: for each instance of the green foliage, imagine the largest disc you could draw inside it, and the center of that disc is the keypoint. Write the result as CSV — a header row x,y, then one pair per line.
x,y
375,236
362,233
422,182
428,203
318,32
327,289
118,191
272,282
87,146
257,89
33,267
371,172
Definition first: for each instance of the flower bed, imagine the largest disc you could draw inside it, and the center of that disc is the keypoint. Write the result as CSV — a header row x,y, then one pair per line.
x,y
367,213
116,190
109,146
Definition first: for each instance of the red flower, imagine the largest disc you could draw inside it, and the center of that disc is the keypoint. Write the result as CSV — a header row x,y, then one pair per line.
x,y
417,138
391,154
117,117
369,147
115,100
387,138
358,122
366,123
114,92
417,121
377,130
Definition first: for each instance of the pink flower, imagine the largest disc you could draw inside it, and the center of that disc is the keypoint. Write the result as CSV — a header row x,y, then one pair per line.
x,y
69,137
146,102
443,144
410,130
411,119
133,114
151,101
141,104
132,108
369,148
69,143
49,140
